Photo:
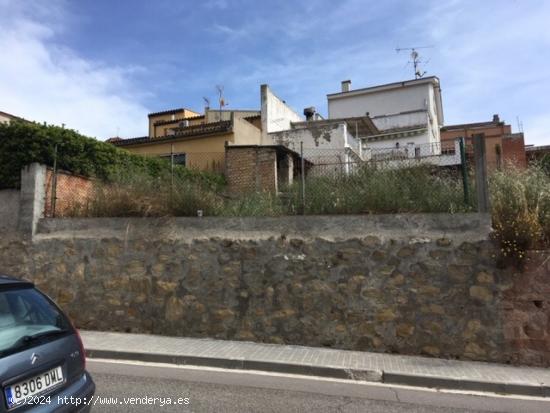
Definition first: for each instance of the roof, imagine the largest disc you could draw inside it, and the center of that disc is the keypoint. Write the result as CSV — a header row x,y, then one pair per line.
x,y
232,110
278,147
168,121
189,132
387,86
6,280
253,117
472,125
364,124
281,148
402,132
169,111
532,148
9,115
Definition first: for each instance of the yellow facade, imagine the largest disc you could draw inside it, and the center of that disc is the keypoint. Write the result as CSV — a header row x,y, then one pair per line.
x,y
165,127
201,153
173,116
203,148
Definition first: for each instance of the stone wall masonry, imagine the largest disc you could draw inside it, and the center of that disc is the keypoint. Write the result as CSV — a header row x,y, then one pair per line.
x,y
411,284
9,209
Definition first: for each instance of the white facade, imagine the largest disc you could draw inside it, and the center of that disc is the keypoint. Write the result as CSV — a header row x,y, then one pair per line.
x,y
413,155
325,144
415,105
316,135
5,117
276,115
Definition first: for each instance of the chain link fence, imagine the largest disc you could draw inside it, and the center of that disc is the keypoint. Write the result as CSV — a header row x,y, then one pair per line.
x,y
273,180
414,178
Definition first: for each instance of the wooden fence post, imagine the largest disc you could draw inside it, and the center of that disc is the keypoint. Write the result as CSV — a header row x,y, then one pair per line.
x,y
482,185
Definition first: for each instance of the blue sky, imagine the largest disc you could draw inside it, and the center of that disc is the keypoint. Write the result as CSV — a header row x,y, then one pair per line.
x,y
100,66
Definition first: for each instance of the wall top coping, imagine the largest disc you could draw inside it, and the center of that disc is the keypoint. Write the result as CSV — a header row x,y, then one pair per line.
x,y
412,227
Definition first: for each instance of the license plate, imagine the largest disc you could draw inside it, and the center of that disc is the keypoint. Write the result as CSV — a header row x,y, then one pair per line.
x,y
21,392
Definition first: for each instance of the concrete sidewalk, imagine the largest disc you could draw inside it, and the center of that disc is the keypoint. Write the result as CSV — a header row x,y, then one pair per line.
x,y
354,365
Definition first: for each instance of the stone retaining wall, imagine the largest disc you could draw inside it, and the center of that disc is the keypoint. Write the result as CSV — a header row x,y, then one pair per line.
x,y
9,209
418,290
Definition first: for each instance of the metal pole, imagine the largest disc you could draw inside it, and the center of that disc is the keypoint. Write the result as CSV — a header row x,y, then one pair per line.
x,y
171,171
464,168
482,187
54,181
303,173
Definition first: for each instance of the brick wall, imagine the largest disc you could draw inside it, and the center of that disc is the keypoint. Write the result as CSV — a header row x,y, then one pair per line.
x,y
71,191
513,150
251,169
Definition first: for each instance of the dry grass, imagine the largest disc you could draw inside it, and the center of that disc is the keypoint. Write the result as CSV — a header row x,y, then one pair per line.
x,y
520,203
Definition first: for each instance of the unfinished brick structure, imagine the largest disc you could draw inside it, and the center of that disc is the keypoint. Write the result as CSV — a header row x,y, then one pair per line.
x,y
71,191
250,168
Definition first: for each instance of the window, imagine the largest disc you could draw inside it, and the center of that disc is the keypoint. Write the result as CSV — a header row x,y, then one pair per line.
x,y
179,158
25,313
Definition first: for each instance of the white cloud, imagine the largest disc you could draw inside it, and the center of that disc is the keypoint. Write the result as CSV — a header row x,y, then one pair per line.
x,y
490,56
216,4
43,81
230,33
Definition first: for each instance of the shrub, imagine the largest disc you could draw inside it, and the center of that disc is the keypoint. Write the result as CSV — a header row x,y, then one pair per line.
x,y
22,143
520,204
370,190
255,204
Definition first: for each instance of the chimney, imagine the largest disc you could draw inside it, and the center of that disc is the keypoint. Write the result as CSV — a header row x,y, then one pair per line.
x,y
309,113
346,85
496,118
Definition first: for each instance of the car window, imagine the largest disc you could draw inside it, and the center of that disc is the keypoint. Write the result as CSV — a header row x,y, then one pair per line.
x,y
26,313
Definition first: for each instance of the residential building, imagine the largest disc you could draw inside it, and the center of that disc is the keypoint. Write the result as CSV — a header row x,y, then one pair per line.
x,y
537,153
160,123
501,145
407,114
7,117
191,140
215,115
326,143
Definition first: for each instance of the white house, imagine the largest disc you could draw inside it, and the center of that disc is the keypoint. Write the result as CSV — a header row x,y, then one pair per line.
x,y
407,114
7,118
327,144
390,123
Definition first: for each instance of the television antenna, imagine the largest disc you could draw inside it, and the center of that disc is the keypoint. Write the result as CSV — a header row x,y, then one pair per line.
x,y
221,99
520,125
415,59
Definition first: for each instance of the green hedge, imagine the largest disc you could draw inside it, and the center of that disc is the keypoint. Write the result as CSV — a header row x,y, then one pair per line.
x,y
22,143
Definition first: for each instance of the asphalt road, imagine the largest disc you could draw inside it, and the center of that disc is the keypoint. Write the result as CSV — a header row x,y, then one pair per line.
x,y
165,388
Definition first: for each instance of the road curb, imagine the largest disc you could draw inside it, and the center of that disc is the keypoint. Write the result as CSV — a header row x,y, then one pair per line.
x,y
242,364
387,377
522,389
